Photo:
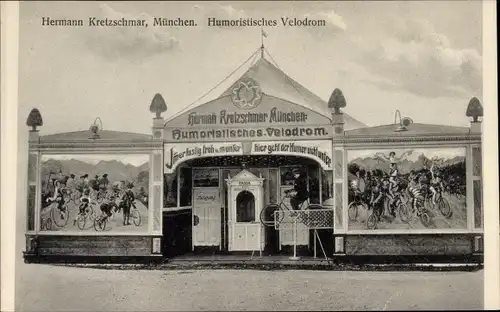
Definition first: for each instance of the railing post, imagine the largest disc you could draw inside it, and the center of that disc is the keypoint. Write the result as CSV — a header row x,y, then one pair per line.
x,y
294,240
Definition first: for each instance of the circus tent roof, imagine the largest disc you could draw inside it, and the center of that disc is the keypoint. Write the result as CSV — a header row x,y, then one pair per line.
x,y
276,83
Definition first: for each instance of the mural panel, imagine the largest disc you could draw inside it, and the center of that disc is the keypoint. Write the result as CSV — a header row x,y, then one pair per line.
x,y
407,189
87,193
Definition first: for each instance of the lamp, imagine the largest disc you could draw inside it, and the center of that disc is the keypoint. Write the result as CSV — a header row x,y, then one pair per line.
x,y
403,122
95,128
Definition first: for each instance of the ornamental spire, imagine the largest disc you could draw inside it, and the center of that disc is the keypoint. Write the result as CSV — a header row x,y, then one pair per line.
x,y
263,35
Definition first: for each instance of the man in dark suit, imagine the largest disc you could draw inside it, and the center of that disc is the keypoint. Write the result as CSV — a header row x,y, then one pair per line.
x,y
300,192
126,203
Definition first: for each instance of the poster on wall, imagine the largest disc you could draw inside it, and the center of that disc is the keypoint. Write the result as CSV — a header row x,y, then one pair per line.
x,y
401,189
180,152
87,193
206,177
319,150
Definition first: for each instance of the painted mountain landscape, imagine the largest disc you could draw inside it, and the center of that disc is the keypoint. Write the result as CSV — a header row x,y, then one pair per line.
x,y
369,163
368,170
66,214
128,168
116,170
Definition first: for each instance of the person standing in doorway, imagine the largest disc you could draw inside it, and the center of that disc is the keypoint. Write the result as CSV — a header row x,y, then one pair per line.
x,y
300,192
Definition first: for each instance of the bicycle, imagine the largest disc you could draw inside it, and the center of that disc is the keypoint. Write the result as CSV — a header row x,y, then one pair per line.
x,y
441,203
269,217
100,222
374,217
59,216
75,197
89,213
136,215
66,193
400,204
46,224
353,207
99,195
418,207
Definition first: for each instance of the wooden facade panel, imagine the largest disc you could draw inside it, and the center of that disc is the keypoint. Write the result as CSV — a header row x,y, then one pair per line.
x,y
63,251
403,245
92,241
107,251
146,250
94,246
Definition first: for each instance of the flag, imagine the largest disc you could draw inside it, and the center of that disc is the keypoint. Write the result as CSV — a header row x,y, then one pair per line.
x,y
264,34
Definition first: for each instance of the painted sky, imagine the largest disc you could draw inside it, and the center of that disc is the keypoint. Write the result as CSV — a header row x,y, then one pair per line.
x,y
135,160
423,58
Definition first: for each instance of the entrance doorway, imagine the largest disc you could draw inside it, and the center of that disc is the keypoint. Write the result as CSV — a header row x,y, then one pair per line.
x,y
206,217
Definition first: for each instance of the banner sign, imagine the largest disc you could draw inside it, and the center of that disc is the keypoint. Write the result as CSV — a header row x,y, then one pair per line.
x,y
225,117
319,150
186,134
179,152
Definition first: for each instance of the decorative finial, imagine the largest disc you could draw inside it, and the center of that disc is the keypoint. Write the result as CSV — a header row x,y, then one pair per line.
x,y
474,109
337,101
263,35
34,119
158,105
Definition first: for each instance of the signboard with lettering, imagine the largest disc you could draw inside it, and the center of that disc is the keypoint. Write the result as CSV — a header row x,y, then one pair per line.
x,y
267,133
206,197
272,119
319,150
180,152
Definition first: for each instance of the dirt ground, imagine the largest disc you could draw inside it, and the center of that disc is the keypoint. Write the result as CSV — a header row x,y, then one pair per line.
x,y
52,288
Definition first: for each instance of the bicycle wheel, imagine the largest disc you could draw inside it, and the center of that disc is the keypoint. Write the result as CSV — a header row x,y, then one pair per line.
x,y
425,218
44,224
267,215
81,221
352,211
404,212
75,196
60,217
445,208
428,203
99,224
99,197
113,215
90,212
371,222
136,217
48,224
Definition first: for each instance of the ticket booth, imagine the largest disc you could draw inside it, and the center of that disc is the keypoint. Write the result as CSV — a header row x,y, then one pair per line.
x,y
245,200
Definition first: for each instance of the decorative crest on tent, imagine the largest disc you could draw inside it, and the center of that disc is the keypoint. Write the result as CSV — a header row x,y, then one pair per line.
x,y
246,94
